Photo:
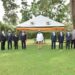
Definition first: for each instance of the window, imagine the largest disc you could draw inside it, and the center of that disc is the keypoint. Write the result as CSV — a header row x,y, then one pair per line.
x,y
32,23
48,23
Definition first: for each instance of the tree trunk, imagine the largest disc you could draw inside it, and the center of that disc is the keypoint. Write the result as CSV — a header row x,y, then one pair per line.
x,y
73,12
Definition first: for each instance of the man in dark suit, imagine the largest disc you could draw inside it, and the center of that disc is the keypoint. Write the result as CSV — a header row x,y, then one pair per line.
x,y
15,39
68,40
9,39
0,36
61,40
23,40
53,40
73,38
72,43
3,40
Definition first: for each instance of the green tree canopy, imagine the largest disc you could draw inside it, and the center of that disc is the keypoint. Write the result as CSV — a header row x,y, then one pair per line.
x,y
10,8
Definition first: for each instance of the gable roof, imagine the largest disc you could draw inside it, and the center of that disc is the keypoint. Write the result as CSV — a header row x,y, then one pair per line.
x,y
41,21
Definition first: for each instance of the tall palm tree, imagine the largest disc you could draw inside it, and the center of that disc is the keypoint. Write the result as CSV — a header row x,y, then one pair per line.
x,y
73,12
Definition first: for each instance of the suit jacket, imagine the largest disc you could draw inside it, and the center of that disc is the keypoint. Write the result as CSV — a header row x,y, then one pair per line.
x,y
60,38
9,37
0,36
23,37
15,38
53,38
3,38
68,38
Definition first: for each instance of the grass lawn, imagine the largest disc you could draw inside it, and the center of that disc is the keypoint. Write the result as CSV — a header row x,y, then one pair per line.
x,y
34,61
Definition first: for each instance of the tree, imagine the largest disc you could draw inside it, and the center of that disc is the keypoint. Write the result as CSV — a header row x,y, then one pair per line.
x,y
6,26
73,12
54,9
35,8
10,8
25,11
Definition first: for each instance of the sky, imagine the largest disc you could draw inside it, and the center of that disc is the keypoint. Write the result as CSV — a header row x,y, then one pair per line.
x,y
18,1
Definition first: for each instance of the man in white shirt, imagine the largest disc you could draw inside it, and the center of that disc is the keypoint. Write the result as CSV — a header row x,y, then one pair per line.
x,y
39,38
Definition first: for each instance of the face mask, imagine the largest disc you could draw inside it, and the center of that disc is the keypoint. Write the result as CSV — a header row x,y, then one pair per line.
x,y
9,34
23,33
61,33
3,33
68,33
15,35
54,33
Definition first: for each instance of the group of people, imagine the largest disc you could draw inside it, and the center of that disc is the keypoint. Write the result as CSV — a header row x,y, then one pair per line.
x,y
9,37
69,38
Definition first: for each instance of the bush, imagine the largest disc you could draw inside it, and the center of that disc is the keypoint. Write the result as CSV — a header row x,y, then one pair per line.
x,y
32,35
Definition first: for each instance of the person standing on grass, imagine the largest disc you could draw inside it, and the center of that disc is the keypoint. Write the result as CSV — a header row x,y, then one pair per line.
x,y
68,40
9,39
61,40
3,40
0,38
73,38
39,39
72,42
53,40
15,39
23,39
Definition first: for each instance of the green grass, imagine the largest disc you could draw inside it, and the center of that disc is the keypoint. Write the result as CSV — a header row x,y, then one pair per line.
x,y
34,61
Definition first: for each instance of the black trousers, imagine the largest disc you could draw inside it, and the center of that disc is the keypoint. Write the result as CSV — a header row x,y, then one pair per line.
x,y
23,44
53,46
2,45
74,43
60,45
68,44
9,44
16,44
